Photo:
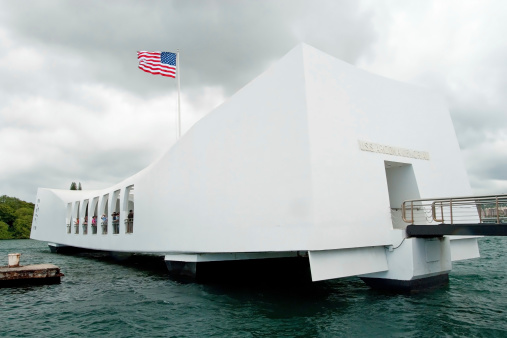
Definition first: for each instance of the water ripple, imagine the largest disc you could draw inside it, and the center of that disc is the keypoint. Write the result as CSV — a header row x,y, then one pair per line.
x,y
101,297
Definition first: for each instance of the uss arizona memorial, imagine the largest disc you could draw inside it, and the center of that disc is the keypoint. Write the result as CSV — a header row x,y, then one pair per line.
x,y
313,158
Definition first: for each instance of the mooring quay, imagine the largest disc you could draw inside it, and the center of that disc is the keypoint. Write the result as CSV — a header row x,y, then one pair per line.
x,y
14,274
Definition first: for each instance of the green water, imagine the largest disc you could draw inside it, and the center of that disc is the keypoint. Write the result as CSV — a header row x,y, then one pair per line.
x,y
102,297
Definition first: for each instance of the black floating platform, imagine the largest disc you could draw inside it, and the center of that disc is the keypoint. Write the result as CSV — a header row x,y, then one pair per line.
x,y
436,230
249,271
407,286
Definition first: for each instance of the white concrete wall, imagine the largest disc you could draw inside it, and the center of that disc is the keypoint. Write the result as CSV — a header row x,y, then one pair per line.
x,y
417,258
278,167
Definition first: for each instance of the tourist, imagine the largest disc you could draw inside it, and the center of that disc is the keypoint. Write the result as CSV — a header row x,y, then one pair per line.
x,y
130,222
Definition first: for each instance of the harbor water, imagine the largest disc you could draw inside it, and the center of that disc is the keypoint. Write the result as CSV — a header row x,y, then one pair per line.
x,y
101,296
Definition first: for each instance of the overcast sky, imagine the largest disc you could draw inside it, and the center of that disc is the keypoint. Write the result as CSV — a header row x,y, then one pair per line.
x,y
75,107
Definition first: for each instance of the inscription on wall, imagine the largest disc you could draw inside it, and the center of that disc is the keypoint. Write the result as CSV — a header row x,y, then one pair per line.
x,y
383,149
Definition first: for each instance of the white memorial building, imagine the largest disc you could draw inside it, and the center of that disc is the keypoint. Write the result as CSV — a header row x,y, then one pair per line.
x,y
312,159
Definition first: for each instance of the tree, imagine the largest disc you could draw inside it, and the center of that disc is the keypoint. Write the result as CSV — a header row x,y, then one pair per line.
x,y
15,217
4,231
24,212
22,227
7,214
73,186
79,188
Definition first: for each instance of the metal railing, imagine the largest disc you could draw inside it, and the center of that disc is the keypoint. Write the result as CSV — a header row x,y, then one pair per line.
x,y
456,210
129,225
116,227
104,227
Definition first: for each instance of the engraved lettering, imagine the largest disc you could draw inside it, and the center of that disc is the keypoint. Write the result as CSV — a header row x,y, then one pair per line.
x,y
390,150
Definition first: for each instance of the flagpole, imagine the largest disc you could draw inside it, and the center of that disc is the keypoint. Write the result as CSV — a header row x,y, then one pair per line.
x,y
178,76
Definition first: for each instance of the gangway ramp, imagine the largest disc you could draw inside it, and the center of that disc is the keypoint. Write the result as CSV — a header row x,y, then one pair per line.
x,y
461,216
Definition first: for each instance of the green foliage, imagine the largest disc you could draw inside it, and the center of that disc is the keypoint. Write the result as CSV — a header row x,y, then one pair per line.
x,y
74,186
22,227
7,214
4,231
15,217
24,212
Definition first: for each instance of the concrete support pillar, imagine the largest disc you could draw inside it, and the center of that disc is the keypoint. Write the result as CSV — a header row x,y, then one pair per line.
x,y
417,263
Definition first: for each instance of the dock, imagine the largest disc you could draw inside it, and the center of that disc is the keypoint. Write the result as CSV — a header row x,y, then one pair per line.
x,y
29,274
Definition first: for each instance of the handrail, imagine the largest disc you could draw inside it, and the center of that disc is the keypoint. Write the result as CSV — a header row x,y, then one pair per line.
x,y
465,209
129,225
104,227
458,198
403,212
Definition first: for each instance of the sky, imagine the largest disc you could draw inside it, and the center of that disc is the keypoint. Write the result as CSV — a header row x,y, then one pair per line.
x,y
74,107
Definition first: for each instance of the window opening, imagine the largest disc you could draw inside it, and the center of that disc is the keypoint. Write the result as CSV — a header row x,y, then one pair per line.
x,y
115,216
129,221
85,221
103,219
68,217
76,221
94,220
402,186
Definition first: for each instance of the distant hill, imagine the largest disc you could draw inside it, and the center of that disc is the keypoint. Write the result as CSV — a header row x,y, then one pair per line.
x,y
15,218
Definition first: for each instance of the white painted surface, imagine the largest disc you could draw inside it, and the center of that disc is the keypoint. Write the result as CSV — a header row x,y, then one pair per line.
x,y
214,257
465,248
401,183
417,258
330,264
277,168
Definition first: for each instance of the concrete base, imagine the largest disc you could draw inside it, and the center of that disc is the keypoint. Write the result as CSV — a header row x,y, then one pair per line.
x,y
27,282
415,264
120,256
407,286
182,269
60,248
293,269
30,274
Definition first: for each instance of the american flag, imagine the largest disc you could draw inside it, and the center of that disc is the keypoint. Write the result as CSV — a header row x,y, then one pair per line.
x,y
158,63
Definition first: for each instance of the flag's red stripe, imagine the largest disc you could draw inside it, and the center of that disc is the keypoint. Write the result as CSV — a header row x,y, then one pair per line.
x,y
150,62
165,71
148,56
157,73
148,53
158,67
156,64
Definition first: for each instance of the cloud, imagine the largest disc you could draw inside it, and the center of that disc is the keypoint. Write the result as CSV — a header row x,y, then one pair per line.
x,y
452,47
113,136
222,43
74,106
